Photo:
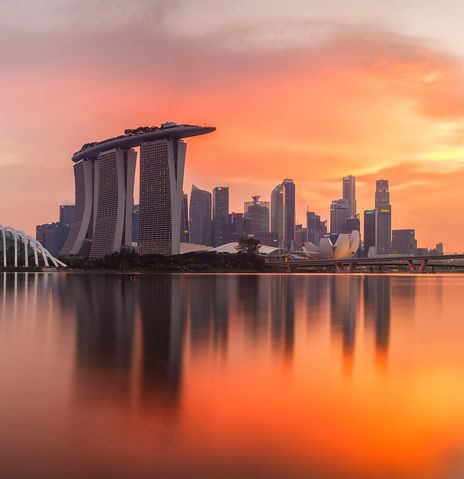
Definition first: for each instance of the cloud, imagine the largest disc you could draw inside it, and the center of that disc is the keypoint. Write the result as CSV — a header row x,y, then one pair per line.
x,y
314,99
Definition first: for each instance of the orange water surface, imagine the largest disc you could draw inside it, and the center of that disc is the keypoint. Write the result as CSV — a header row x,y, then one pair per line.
x,y
218,376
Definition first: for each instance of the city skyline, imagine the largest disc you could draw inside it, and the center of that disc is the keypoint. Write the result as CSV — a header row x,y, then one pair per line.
x,y
284,86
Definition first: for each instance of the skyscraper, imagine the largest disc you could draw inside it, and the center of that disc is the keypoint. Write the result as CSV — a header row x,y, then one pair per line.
x,y
200,216
339,214
404,242
114,197
369,230
236,226
289,212
382,195
220,215
104,175
315,228
161,180
353,224
349,193
184,227
135,223
277,211
257,216
67,214
383,218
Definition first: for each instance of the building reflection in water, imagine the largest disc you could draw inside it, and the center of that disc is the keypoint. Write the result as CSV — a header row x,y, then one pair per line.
x,y
344,312
282,293
377,310
131,330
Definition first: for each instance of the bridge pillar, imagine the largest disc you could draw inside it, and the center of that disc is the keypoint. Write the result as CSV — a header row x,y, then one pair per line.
x,y
420,267
345,267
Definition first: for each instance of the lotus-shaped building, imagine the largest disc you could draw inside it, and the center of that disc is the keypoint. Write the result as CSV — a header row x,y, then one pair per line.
x,y
345,246
19,250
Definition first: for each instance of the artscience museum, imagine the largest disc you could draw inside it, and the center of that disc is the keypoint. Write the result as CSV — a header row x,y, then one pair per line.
x,y
342,247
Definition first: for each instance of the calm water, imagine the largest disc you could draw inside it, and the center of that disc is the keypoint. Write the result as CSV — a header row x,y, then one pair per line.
x,y
224,376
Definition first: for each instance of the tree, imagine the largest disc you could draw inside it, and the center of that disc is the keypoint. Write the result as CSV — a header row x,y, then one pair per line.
x,y
248,245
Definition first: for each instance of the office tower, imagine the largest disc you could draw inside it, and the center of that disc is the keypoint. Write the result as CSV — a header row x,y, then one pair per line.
x,y
315,227
114,197
135,223
200,216
52,236
383,218
257,214
349,193
300,237
353,224
369,230
67,214
184,227
161,179
439,249
404,242
289,212
236,227
104,174
339,214
277,211
382,195
220,215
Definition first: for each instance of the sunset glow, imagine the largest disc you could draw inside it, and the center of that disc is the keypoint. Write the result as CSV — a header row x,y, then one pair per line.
x,y
306,92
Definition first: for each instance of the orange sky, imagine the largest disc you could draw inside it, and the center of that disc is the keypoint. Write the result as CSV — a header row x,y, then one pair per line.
x,y
291,95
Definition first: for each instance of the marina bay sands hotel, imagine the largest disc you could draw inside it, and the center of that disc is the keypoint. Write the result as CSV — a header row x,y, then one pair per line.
x,y
104,174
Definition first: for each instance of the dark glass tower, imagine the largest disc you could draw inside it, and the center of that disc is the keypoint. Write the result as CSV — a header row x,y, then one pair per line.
x,y
369,230
220,215
349,193
289,206
200,216
277,212
383,215
184,227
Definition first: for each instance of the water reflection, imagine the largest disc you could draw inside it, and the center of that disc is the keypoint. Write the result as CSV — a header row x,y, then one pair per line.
x,y
202,351
138,325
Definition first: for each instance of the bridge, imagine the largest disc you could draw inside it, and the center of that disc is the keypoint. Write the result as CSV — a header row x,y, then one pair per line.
x,y
410,264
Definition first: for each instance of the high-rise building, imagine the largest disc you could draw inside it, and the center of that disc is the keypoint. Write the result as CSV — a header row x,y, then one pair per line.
x,y
67,214
382,195
353,224
135,223
439,248
369,230
200,216
104,175
161,179
277,211
383,218
114,197
257,216
236,226
315,228
301,235
220,215
404,242
53,235
349,193
339,214
184,227
289,212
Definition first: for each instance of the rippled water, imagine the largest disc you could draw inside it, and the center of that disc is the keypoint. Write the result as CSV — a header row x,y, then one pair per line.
x,y
218,376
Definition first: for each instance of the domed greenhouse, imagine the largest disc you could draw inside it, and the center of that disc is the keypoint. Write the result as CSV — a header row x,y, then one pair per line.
x,y
18,250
